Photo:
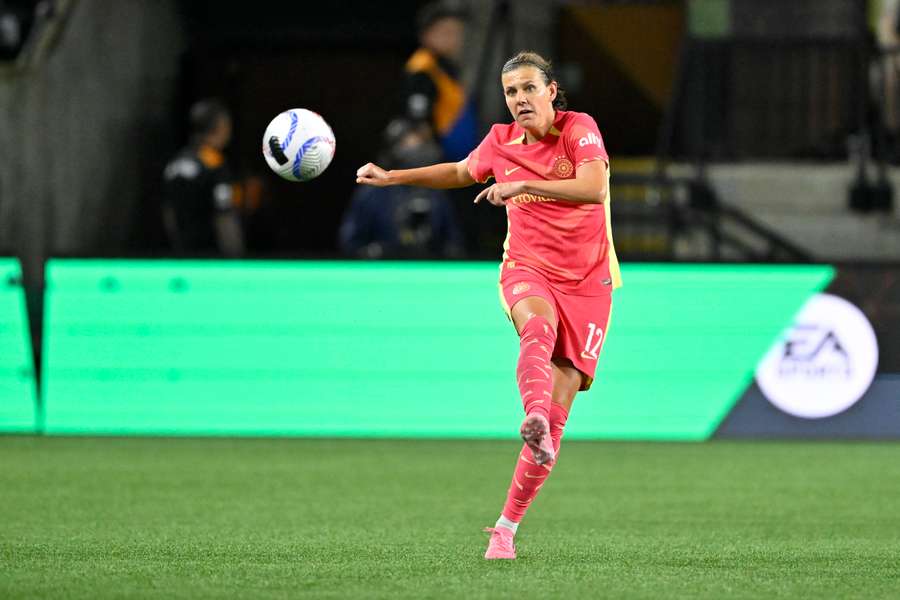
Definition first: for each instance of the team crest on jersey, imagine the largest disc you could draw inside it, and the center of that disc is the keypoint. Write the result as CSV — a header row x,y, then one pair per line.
x,y
520,288
563,167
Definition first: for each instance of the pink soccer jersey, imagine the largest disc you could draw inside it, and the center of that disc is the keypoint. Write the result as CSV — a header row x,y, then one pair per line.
x,y
569,244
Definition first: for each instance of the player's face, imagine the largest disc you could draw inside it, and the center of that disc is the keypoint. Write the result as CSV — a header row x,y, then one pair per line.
x,y
528,98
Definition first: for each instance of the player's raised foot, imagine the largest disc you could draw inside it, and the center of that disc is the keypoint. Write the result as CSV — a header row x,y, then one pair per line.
x,y
536,435
501,544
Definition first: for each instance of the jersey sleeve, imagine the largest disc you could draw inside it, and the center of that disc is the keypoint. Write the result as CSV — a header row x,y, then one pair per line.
x,y
584,142
481,159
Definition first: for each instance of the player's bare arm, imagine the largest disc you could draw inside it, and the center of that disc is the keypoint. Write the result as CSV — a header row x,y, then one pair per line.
x,y
588,187
441,176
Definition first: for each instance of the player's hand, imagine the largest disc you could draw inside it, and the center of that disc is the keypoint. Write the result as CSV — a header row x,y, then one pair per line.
x,y
499,193
372,174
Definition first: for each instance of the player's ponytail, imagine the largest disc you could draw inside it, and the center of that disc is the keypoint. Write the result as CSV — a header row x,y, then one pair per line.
x,y
533,59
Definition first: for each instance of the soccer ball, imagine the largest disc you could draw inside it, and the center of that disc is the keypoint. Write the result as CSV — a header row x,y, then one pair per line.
x,y
298,144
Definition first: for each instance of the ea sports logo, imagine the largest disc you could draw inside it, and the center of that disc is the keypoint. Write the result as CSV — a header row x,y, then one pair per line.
x,y
824,364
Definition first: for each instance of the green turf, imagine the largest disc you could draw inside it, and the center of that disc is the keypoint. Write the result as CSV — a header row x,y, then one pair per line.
x,y
221,518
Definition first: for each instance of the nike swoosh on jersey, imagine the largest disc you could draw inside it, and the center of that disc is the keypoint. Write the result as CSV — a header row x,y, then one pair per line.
x,y
508,171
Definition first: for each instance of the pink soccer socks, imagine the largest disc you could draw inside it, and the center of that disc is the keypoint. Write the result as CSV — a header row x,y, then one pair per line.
x,y
558,417
529,476
527,480
534,373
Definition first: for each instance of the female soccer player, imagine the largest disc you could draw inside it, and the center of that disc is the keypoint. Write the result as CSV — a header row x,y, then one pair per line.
x,y
559,267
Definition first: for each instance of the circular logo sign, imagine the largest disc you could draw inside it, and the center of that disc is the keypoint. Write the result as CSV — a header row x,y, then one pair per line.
x,y
824,363
563,167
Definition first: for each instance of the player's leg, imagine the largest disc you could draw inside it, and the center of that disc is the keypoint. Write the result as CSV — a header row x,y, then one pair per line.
x,y
581,327
535,320
567,381
529,476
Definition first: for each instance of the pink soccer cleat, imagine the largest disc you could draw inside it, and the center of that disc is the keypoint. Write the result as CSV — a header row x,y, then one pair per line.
x,y
501,544
536,435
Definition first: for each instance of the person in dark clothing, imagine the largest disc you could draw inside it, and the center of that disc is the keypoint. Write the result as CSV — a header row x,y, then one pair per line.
x,y
433,93
402,221
199,193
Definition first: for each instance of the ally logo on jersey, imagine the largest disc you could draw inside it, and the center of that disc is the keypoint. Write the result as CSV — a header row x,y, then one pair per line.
x,y
590,138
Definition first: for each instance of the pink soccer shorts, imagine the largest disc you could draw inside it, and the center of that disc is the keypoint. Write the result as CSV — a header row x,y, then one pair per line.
x,y
582,320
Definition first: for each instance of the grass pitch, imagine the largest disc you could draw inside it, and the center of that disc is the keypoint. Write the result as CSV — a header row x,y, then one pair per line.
x,y
223,518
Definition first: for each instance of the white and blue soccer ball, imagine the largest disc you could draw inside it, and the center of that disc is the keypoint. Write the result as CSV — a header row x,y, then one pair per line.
x,y
298,144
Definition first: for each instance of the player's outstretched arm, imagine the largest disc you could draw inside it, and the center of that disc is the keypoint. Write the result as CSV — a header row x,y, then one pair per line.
x,y
441,176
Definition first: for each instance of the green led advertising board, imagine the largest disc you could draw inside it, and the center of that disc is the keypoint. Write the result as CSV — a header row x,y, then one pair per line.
x,y
17,386
386,349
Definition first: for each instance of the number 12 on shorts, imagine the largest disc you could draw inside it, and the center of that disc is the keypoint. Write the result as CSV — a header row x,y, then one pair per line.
x,y
594,341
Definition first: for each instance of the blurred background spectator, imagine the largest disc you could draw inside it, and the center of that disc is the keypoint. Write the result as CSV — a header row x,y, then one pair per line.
x,y
200,196
434,92
402,221
434,96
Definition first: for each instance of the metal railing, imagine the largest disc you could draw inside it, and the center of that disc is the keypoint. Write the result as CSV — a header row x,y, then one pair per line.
x,y
657,214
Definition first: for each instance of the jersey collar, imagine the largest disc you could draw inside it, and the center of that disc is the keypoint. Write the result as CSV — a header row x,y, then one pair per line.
x,y
553,131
